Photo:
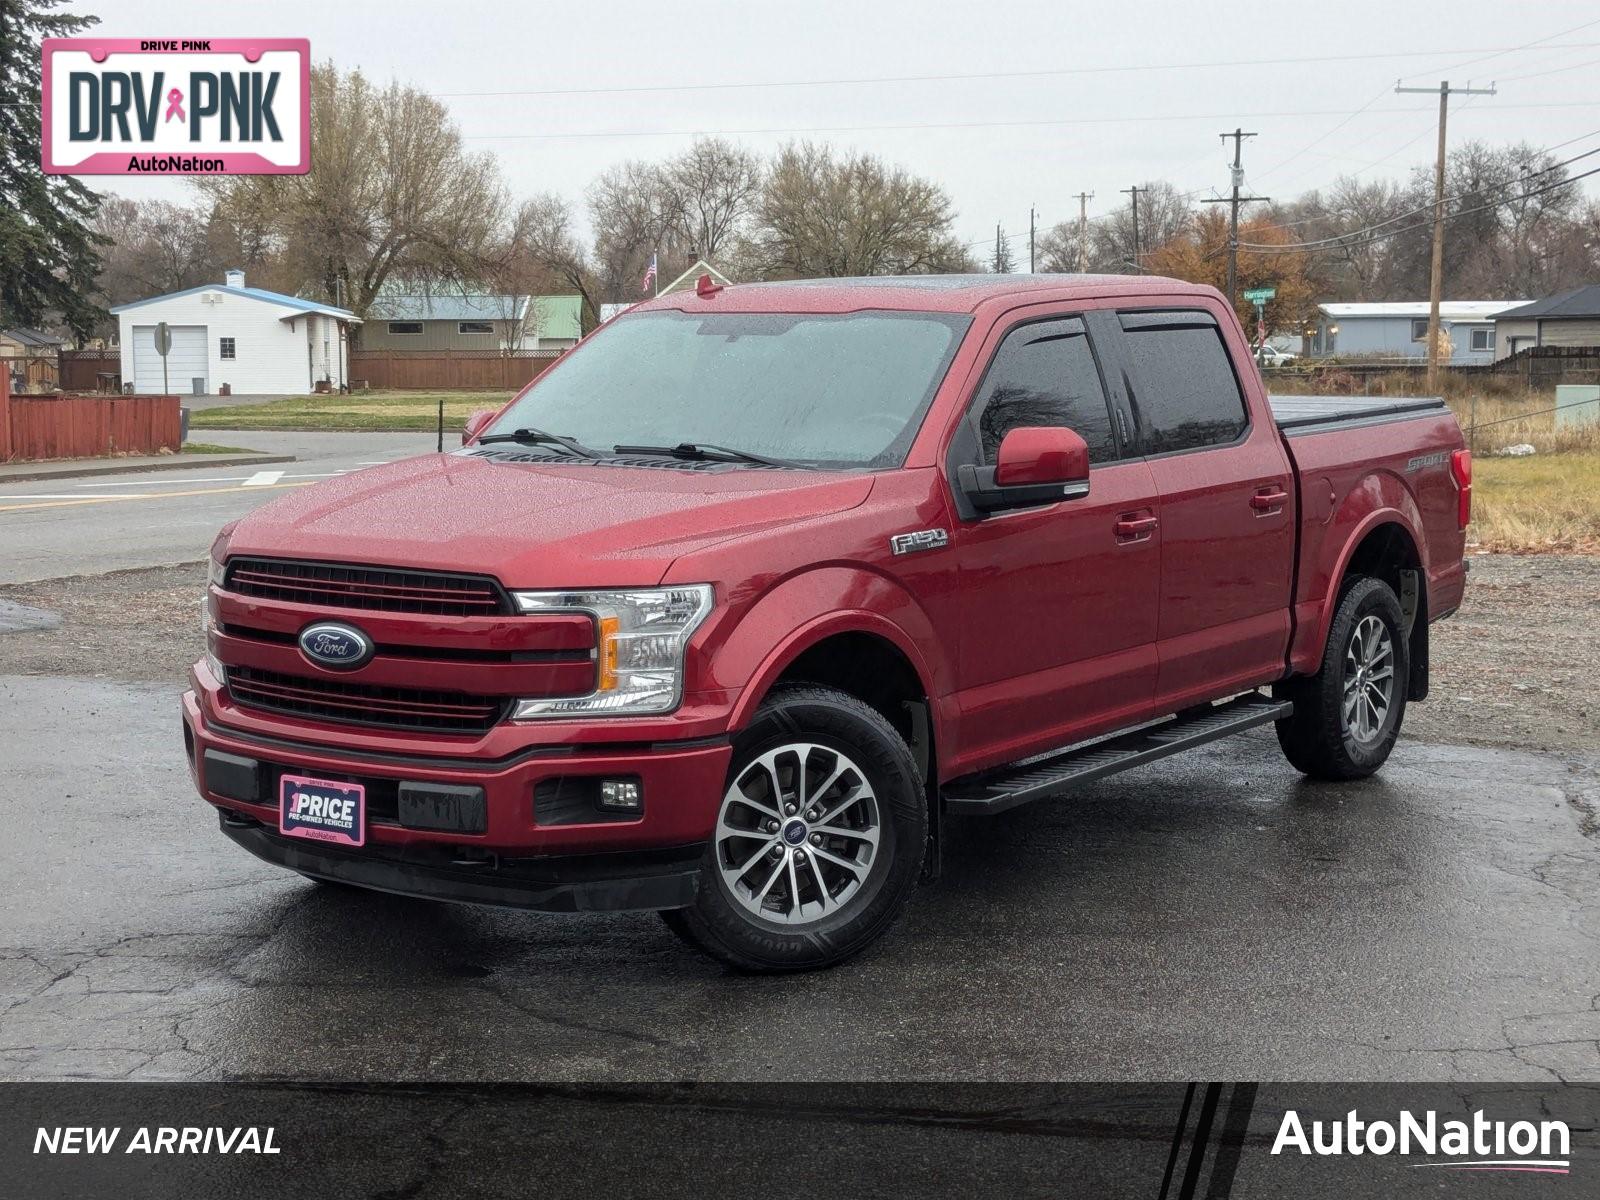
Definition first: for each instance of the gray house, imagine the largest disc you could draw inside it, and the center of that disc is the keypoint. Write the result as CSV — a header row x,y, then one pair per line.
x,y
1400,329
1570,318
455,321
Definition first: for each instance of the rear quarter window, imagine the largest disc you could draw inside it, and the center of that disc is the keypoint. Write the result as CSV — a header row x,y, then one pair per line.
x,y
1183,387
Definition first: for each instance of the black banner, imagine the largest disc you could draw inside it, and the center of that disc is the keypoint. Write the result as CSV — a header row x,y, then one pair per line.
x,y
1155,1141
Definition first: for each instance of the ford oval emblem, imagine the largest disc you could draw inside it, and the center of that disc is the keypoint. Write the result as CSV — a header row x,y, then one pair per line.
x,y
342,647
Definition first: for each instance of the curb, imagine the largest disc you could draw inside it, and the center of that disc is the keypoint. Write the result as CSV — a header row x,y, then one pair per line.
x,y
187,462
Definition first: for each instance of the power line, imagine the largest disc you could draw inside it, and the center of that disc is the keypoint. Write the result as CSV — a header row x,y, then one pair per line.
x,y
1537,42
1345,241
630,89
1549,37
1421,208
1144,120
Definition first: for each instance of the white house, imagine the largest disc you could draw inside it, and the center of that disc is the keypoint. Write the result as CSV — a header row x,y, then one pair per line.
x,y
254,341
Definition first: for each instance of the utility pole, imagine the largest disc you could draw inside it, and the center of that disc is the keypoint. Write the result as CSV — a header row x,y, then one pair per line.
x,y
1233,201
1436,275
1083,231
1030,239
1134,193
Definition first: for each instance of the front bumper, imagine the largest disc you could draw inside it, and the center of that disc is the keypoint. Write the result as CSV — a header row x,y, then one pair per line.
x,y
524,854
642,880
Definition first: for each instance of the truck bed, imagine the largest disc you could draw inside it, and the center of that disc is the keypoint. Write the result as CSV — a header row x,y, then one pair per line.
x,y
1320,414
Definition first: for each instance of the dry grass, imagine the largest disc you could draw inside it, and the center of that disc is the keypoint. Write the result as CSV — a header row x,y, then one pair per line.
x,y
1543,502
1548,500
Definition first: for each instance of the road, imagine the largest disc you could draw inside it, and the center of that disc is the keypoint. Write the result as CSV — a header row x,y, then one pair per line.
x,y
55,528
1209,917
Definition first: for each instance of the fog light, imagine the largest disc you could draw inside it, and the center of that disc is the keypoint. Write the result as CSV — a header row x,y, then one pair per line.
x,y
621,795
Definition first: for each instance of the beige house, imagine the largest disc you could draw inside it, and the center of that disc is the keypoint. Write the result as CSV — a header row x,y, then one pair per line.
x,y
1570,318
689,278
500,324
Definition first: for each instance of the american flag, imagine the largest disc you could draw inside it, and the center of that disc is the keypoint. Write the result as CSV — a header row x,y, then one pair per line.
x,y
650,275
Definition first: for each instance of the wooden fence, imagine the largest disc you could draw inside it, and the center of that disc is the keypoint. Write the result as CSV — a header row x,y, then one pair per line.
x,y
91,370
39,427
469,370
1538,366
30,372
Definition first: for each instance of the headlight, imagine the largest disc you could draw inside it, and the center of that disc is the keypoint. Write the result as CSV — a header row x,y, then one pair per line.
x,y
214,573
639,658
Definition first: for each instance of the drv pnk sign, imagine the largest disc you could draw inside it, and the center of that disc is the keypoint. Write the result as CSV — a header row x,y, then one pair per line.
x,y
208,106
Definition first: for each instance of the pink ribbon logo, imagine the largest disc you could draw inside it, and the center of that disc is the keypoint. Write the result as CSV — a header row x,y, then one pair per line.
x,y
175,105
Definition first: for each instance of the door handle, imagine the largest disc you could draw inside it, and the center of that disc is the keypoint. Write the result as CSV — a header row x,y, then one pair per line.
x,y
1128,528
1268,498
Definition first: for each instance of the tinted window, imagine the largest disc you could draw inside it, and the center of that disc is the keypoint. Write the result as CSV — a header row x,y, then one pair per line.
x,y
1184,388
1045,374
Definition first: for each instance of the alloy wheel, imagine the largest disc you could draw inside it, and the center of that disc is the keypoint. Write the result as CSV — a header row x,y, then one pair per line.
x,y
798,833
1368,679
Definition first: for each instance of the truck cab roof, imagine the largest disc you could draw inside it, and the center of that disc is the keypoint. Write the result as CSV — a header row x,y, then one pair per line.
x,y
917,293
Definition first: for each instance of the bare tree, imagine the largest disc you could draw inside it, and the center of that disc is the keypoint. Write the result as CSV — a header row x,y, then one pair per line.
x,y
715,186
823,214
393,192
1164,214
540,244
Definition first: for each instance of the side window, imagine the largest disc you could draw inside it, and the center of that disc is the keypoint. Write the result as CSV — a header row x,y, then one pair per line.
x,y
1045,374
1184,388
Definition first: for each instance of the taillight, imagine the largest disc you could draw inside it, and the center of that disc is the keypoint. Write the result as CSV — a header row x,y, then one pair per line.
x,y
1461,472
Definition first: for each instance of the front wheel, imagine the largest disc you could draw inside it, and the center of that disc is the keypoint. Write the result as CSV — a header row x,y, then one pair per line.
x,y
1347,716
819,837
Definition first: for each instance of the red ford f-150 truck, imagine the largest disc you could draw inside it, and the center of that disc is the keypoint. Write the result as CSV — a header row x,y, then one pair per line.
x,y
730,609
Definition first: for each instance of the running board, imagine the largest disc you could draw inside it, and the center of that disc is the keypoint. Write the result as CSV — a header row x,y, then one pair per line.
x,y
998,790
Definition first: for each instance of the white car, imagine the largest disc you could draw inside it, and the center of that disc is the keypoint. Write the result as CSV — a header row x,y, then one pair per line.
x,y
1269,356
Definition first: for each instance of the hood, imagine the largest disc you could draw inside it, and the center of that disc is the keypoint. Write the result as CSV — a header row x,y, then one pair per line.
x,y
563,525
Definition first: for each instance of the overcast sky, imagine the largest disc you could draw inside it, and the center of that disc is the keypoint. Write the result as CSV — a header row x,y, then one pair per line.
x,y
1151,84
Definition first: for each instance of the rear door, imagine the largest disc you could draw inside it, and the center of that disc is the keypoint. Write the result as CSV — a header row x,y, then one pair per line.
x,y
1227,507
1058,602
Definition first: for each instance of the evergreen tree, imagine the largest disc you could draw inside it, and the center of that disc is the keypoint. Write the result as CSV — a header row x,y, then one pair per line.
x,y
49,255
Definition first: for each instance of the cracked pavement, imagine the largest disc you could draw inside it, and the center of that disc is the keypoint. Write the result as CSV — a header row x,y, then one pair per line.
x,y
1210,916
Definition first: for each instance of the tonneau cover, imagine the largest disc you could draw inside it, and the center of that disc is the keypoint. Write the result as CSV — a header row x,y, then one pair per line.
x,y
1316,414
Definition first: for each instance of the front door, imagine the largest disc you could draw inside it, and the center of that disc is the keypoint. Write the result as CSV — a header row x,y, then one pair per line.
x,y
1059,603
1228,512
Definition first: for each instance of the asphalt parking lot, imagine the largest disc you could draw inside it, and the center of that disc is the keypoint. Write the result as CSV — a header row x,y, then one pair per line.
x,y
1210,916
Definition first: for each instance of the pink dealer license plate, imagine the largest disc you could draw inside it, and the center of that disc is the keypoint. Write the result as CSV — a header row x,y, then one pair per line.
x,y
322,810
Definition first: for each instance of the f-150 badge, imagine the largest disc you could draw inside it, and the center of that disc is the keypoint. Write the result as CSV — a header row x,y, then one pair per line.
x,y
922,539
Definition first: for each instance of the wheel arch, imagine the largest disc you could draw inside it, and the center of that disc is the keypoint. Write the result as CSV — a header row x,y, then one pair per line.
x,y
1386,545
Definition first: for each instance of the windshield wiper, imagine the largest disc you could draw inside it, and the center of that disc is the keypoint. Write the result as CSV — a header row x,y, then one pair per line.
x,y
538,437
708,452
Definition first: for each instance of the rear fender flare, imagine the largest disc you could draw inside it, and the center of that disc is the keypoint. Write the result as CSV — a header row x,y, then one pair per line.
x,y
1379,499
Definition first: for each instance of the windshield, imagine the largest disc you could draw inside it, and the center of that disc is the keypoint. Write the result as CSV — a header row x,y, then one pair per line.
x,y
832,390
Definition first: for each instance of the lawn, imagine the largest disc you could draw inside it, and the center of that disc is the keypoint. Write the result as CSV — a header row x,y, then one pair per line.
x,y
357,412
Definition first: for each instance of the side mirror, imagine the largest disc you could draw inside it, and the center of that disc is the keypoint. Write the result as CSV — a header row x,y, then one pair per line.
x,y
1041,455
476,423
1035,465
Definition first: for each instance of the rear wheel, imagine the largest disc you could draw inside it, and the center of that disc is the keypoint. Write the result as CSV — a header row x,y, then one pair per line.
x,y
819,837
1348,715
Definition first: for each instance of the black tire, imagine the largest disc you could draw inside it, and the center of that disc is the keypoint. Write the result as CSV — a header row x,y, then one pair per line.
x,y
831,721
1318,739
